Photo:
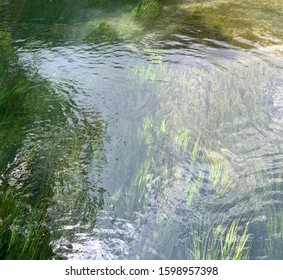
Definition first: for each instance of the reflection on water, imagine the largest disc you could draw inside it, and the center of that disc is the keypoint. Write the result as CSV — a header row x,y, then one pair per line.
x,y
161,144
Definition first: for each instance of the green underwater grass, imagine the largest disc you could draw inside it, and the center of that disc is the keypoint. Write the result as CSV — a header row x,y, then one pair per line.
x,y
274,227
47,189
181,166
180,163
44,176
147,9
103,33
158,177
220,241
24,232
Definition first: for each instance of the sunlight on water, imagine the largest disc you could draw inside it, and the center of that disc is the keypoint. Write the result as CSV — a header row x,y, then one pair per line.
x,y
147,136
236,129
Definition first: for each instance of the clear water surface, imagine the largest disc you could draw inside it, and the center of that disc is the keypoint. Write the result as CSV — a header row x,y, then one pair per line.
x,y
127,134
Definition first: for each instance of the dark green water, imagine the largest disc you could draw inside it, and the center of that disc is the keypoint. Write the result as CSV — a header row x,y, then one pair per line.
x,y
151,131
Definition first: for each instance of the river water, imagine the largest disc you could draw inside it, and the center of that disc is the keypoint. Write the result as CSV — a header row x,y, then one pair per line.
x,y
141,135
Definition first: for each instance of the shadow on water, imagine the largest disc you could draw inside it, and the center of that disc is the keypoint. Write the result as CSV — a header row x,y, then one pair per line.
x,y
50,22
242,24
182,22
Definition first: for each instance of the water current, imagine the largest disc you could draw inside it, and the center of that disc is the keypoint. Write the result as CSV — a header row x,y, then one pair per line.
x,y
132,133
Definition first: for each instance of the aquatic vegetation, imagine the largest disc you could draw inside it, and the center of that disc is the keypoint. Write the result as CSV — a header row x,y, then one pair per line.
x,y
166,184
24,233
239,23
6,50
182,139
193,189
43,177
161,237
219,170
232,19
104,33
136,195
149,72
225,242
95,2
273,244
130,152
145,73
49,185
147,9
76,197
187,172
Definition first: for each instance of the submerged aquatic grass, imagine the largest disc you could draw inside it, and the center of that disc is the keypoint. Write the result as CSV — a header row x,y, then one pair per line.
x,y
147,9
24,232
275,239
103,33
43,167
241,23
220,241
196,170
193,112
